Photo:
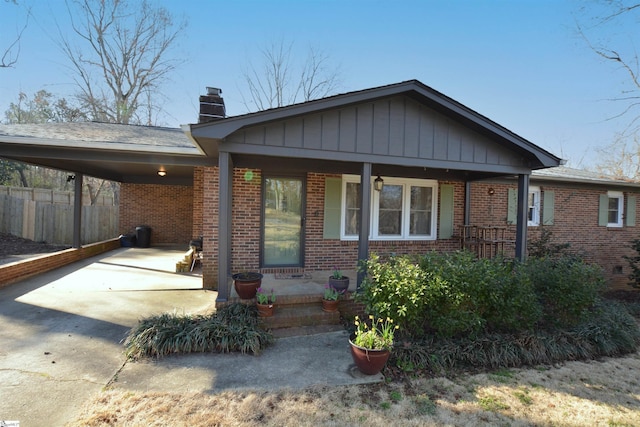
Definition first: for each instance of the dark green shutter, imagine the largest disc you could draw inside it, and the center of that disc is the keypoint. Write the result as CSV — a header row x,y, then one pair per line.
x,y
630,217
446,211
548,207
332,208
603,210
512,206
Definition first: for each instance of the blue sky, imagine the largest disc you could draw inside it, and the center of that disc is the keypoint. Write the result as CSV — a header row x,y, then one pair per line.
x,y
521,62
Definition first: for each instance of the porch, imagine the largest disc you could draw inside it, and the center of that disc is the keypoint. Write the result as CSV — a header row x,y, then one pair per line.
x,y
299,302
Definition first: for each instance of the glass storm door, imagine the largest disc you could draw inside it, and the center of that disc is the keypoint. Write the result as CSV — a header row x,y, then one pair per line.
x,y
283,222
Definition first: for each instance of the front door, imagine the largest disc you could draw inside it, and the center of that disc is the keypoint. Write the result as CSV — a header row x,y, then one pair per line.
x,y
283,221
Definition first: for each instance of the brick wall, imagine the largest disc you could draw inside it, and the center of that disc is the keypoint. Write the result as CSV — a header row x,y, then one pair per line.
x,y
575,222
210,185
167,209
198,199
19,270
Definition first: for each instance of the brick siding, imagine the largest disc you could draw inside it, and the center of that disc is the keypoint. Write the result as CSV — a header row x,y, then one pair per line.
x,y
576,222
167,209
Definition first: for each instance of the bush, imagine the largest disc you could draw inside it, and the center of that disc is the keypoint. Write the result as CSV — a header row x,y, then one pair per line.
x,y
468,296
609,331
231,328
395,289
566,287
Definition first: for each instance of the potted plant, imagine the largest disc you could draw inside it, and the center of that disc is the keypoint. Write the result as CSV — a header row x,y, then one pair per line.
x,y
337,281
371,344
265,302
330,299
247,283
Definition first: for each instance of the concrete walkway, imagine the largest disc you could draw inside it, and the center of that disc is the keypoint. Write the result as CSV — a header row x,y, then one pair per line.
x,y
61,333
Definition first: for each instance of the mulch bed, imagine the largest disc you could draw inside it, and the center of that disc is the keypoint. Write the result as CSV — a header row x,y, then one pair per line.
x,y
11,245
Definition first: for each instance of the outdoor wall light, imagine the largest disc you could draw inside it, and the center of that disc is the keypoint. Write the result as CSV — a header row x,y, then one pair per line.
x,y
378,183
491,191
162,172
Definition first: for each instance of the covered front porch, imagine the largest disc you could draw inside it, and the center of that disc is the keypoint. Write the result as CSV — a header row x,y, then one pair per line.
x,y
426,147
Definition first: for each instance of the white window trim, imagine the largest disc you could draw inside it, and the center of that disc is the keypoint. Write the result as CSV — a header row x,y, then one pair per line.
x,y
536,206
406,208
620,196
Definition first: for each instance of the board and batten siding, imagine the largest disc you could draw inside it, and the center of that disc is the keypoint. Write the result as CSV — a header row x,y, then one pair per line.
x,y
395,129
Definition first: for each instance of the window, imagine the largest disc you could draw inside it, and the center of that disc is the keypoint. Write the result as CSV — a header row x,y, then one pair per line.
x,y
615,208
533,215
405,209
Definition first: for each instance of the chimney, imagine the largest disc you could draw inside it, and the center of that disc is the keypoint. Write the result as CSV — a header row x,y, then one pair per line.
x,y
211,106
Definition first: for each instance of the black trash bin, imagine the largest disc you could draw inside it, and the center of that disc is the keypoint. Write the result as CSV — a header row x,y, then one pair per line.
x,y
143,236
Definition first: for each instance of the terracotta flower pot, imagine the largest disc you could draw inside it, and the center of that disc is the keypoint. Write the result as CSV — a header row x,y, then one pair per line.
x,y
265,310
369,362
330,306
247,284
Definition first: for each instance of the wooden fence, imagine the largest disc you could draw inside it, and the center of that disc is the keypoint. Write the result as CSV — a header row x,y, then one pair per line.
x,y
53,222
53,196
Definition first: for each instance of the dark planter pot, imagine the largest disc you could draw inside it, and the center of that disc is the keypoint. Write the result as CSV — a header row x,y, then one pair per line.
x,y
340,285
369,362
247,284
329,306
265,310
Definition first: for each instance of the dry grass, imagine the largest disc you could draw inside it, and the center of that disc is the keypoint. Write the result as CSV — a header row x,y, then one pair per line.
x,y
603,392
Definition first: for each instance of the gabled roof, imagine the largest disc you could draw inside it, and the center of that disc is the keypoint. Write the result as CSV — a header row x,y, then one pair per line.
x,y
208,135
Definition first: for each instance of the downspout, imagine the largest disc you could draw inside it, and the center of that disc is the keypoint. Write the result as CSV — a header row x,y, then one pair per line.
x,y
77,210
365,215
521,222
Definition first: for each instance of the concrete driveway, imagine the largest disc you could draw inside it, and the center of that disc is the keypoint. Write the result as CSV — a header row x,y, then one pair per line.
x,y
61,332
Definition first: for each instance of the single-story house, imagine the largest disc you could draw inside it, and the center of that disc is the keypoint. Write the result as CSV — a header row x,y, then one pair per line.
x,y
400,168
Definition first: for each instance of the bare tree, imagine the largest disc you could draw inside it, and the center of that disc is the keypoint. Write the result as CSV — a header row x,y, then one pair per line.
x,y
621,159
12,51
610,16
125,54
279,81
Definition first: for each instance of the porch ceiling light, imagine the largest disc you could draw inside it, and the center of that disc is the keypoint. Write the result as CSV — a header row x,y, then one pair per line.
x,y
162,172
378,183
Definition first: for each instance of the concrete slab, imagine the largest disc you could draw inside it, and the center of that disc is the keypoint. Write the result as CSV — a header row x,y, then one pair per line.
x,y
61,339
61,332
292,362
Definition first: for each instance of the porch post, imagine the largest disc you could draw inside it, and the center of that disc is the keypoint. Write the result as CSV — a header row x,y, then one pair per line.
x,y
77,210
521,222
365,215
225,196
467,202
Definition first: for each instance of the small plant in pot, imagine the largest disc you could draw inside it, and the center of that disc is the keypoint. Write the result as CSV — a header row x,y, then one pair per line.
x,y
265,302
338,281
247,283
330,299
371,344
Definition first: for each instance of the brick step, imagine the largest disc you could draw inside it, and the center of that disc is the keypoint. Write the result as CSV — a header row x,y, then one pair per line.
x,y
298,315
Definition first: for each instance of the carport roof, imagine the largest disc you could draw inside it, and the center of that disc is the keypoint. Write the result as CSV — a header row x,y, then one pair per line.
x,y
123,153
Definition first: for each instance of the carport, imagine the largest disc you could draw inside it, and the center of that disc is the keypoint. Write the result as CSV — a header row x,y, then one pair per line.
x,y
122,153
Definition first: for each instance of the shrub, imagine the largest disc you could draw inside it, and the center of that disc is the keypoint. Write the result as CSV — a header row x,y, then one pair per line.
x,y
468,295
395,289
609,331
231,328
634,264
566,287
